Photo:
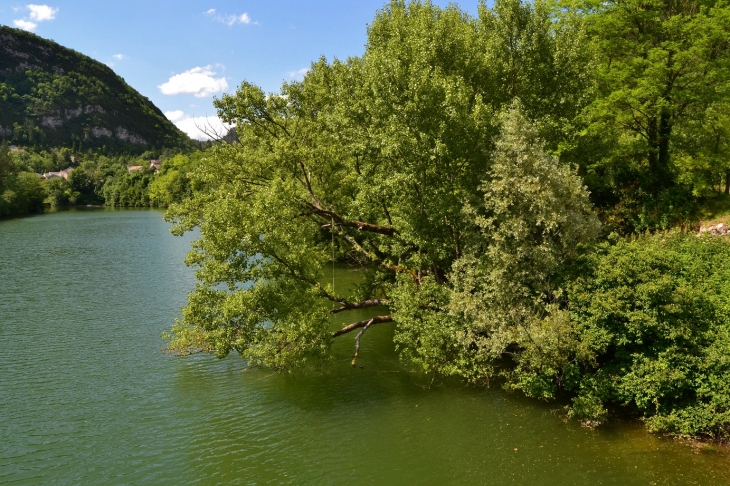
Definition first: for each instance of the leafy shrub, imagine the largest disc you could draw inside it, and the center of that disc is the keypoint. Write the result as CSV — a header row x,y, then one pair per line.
x,y
652,314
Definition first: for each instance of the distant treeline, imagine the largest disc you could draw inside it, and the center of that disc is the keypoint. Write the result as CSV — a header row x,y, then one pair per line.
x,y
94,179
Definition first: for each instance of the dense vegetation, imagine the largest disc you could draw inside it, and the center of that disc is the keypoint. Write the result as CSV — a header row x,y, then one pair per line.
x,y
96,179
21,191
651,323
490,176
654,139
52,96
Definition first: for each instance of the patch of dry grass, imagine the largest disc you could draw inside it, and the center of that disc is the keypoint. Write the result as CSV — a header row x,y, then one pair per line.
x,y
715,211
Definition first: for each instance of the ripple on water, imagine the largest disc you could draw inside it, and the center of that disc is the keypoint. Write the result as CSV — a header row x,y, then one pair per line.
x,y
87,397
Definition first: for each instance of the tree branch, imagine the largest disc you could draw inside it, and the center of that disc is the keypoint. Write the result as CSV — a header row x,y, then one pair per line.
x,y
271,120
356,325
375,259
316,208
346,306
305,279
360,225
308,184
357,341
387,214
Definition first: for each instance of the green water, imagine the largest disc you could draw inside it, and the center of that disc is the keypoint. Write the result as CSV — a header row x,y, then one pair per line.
x,y
86,396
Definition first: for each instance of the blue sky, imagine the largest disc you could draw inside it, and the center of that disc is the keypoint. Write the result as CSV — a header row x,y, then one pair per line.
x,y
182,53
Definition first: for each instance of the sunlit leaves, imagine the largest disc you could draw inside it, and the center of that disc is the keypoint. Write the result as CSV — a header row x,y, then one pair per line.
x,y
409,139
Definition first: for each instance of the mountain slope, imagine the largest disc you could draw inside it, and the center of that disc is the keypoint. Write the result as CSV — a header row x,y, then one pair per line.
x,y
54,96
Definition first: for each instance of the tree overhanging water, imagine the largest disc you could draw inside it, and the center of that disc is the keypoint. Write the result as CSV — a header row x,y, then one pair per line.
x,y
464,163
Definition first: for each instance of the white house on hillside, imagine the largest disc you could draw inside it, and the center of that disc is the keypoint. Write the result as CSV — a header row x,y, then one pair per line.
x,y
58,175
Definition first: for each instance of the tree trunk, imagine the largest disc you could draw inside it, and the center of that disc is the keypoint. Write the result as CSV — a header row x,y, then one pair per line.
x,y
652,136
662,175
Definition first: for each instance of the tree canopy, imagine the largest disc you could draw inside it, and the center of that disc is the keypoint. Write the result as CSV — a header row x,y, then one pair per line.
x,y
462,163
659,107
20,191
421,164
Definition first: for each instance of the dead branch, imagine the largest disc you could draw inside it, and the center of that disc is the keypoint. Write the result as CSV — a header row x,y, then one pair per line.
x,y
215,134
357,341
355,325
360,225
316,208
346,306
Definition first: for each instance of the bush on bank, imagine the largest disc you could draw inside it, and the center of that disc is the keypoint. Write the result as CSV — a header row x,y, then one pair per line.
x,y
651,317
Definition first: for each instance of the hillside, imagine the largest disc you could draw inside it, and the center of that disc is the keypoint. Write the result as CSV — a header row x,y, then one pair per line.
x,y
54,96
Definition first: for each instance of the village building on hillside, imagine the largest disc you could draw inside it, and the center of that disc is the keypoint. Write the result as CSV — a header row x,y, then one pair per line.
x,y
58,175
155,164
133,168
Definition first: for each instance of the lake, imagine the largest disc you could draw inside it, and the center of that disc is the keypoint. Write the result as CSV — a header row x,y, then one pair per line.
x,y
87,397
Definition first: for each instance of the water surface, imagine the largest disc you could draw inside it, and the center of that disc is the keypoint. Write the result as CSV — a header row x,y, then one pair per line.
x,y
86,396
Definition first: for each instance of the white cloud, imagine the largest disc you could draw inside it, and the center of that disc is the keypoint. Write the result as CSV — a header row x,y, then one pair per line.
x,y
175,115
231,19
300,73
198,81
238,19
198,127
40,13
118,56
25,24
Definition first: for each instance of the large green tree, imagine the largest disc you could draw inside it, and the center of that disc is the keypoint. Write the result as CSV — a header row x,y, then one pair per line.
x,y
425,162
660,94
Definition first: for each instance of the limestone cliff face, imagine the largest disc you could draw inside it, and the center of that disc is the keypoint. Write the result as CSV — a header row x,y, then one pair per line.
x,y
54,96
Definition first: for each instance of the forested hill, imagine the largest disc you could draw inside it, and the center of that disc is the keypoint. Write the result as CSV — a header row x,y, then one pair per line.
x,y
54,96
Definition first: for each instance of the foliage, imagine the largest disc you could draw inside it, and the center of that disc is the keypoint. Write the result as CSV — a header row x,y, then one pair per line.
x,y
652,316
85,186
421,165
145,187
500,299
59,192
42,161
656,132
102,179
128,189
173,183
20,192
